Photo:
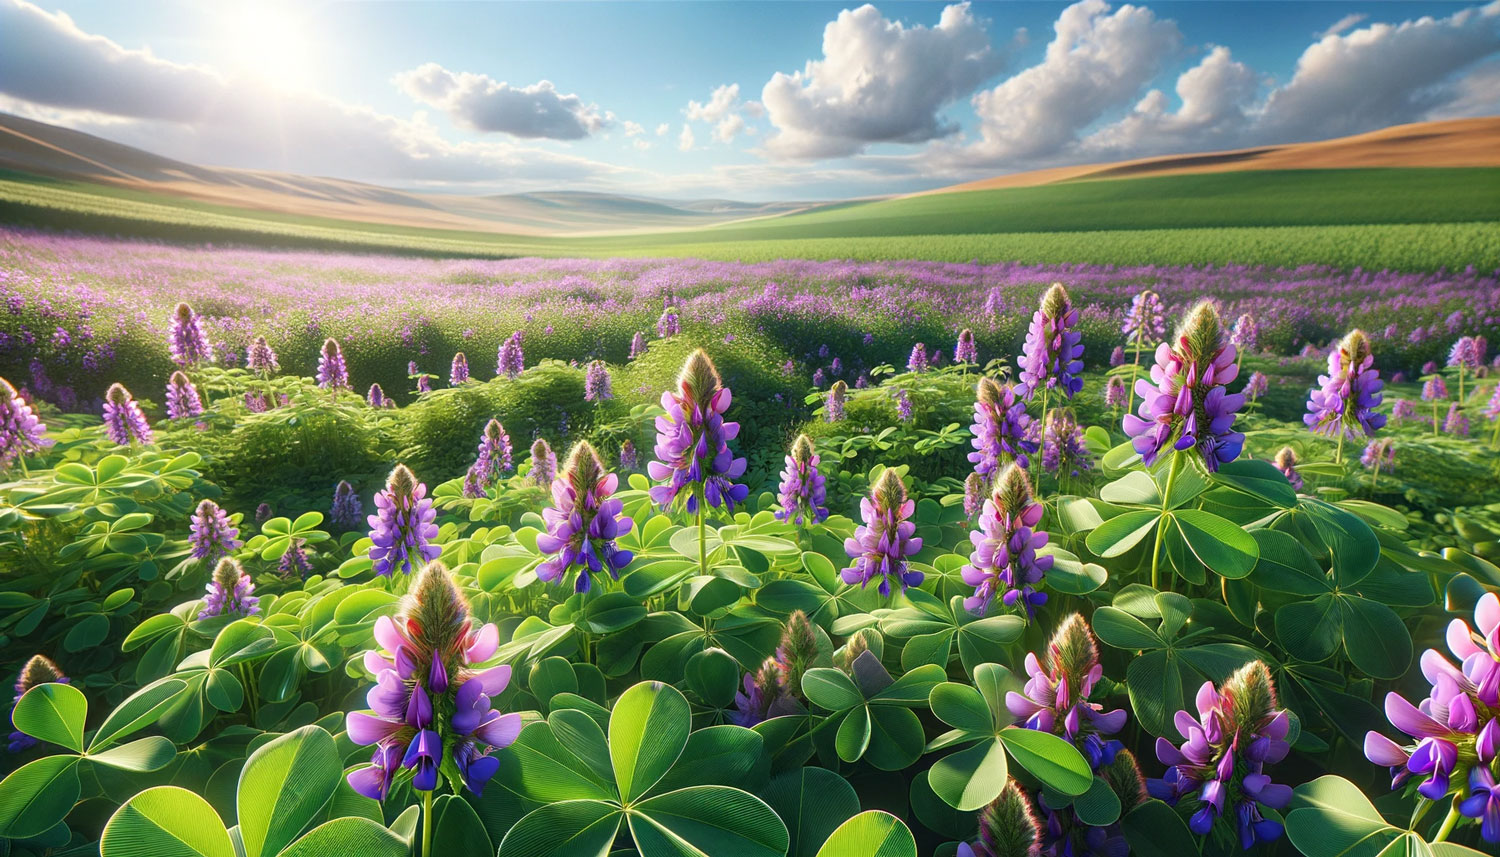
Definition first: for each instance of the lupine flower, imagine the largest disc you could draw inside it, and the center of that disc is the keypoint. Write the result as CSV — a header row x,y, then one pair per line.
x,y
333,374
124,424
1483,802
833,408
862,381
583,522
903,406
510,361
182,397
1434,388
637,345
669,324
402,528
1378,454
263,513
917,362
629,458
424,383
1002,429
818,377
797,652
458,373
1052,354
692,442
1116,392
803,491
260,359
1403,410
882,543
1146,320
1218,773
1491,410
1348,395
346,511
974,492
543,463
376,397
1429,367
1007,827
1186,404
1117,356
230,592
1063,447
1055,698
492,461
764,696
1064,834
596,383
1246,333
411,367
186,341
294,561
1457,422
1004,560
21,433
430,697
1256,386
1286,462
211,534
256,402
1464,354
965,351
39,670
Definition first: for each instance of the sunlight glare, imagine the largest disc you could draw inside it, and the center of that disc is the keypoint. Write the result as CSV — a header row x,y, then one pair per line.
x,y
268,41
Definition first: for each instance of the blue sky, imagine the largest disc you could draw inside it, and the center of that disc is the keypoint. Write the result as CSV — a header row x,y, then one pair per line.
x,y
494,97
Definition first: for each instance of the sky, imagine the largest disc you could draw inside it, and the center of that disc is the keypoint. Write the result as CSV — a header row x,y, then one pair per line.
x,y
752,101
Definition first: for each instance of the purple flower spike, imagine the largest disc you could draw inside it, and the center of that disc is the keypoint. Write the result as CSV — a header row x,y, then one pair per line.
x,y
211,534
182,397
230,592
1286,462
1055,698
833,408
1116,392
1186,404
804,491
1146,320
458,373
693,459
1379,454
1052,355
596,383
1348,395
543,463
1063,447
637,345
493,461
882,543
965,351
402,528
377,399
1434,389
186,340
21,433
1002,430
918,361
510,361
346,511
333,374
583,522
1004,561
124,424
38,670
1246,333
669,324
260,359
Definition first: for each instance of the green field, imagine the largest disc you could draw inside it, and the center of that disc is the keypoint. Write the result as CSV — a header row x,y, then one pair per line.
x,y
1410,219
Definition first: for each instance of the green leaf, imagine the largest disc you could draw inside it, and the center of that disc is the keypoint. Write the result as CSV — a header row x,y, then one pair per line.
x,y
1050,759
714,676
1286,566
830,689
1354,545
53,712
872,833
143,756
1123,631
1217,542
853,736
366,838
1154,829
717,756
896,738
37,796
1375,638
812,802
961,707
570,828
538,767
1331,816
283,785
647,731
1259,479
165,821
138,711
1310,630
969,779
1121,533
1099,806
456,829
708,821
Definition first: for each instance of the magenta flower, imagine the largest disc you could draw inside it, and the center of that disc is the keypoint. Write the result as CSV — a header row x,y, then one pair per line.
x,y
1055,698
458,373
669,324
766,693
882,543
230,592
596,382
803,491
402,528
346,511
637,345
833,406
1246,333
1434,388
1457,422
692,442
1004,560
965,351
186,341
1186,404
510,360
583,522
430,694
333,374
1002,429
1403,410
211,534
543,464
492,461
376,397
918,361
1052,355
260,359
1116,392
124,424
1378,454
1345,403
1146,320
38,670
629,457
21,433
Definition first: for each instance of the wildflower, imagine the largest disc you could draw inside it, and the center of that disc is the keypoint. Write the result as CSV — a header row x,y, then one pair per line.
x,y
637,345
1350,392
833,409
1403,410
1483,802
1246,333
1063,447
1116,392
510,361
1186,404
1434,388
1220,768
1256,386
458,373
1052,354
182,397
186,341
1286,462
211,534
692,442
124,424
1004,559
1055,698
346,510
583,522
424,383
903,406
965,351
885,539
803,490
1146,320
765,695
669,324
1002,429
1464,354
333,374
256,402
1491,410
974,491
402,528
543,463
1064,833
1007,827
263,513
230,592
411,367
1117,356
430,697
1457,422
21,433
862,381
596,383
836,368
1378,454
260,359
492,461
39,670
818,377
917,362
377,398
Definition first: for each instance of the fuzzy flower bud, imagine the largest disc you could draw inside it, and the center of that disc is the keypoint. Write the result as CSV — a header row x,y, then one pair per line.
x,y
402,528
124,424
965,351
229,593
583,522
803,490
39,670
881,544
1004,561
1286,462
1007,827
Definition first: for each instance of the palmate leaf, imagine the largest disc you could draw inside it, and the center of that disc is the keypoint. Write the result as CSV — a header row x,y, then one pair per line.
x,y
53,712
647,732
707,821
812,802
283,785
870,834
37,796
165,821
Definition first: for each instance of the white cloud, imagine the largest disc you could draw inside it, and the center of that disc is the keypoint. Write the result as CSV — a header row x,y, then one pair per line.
x,y
719,104
642,145
633,129
482,103
663,128
725,112
729,126
878,81
1343,24
685,140
1214,95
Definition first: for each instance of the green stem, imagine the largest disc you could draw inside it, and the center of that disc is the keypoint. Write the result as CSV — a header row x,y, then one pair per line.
x,y
1434,418
1338,453
1135,368
1460,385
1419,813
1448,822
702,540
1161,523
426,824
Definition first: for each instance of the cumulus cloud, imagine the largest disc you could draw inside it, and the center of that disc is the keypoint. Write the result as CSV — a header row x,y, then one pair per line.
x,y
663,128
719,104
1214,94
481,103
1343,24
725,112
879,81
685,140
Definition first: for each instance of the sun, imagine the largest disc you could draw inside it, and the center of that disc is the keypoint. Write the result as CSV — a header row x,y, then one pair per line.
x,y
268,41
